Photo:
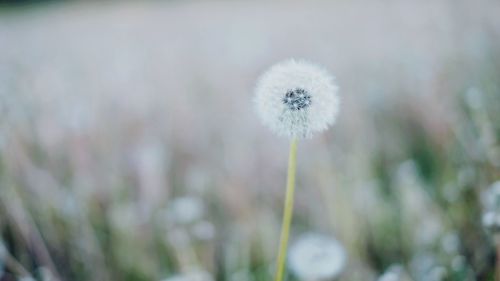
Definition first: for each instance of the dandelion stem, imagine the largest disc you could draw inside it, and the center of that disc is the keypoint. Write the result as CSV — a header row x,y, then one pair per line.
x,y
288,210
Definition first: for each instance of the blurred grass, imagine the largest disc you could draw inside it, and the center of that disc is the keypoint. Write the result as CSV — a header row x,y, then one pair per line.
x,y
109,114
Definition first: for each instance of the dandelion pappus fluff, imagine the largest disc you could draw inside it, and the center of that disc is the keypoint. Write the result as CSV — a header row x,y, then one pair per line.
x,y
296,98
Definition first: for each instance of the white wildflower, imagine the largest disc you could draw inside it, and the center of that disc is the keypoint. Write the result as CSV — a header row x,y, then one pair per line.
x,y
297,98
316,257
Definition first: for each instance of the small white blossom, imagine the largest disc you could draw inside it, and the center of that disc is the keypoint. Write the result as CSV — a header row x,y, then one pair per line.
x,y
316,257
297,98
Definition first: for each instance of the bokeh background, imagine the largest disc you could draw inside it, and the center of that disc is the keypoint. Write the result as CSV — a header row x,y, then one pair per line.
x,y
130,150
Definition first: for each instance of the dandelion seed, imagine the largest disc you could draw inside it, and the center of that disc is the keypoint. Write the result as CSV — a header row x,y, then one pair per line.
x,y
316,257
297,98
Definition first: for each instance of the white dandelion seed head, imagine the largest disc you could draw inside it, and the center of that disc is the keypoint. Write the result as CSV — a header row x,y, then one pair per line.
x,y
316,257
297,98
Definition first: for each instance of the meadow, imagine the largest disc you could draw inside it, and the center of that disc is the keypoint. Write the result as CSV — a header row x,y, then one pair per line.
x,y
130,148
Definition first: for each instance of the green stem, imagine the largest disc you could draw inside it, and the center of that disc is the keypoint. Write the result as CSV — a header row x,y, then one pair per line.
x,y
288,210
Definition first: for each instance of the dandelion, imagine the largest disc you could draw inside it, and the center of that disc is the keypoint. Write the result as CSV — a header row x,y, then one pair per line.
x,y
316,257
295,99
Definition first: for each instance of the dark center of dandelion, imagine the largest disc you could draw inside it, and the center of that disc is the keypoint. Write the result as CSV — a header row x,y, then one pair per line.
x,y
297,99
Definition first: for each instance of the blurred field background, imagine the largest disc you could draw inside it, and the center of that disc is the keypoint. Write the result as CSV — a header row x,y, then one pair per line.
x,y
129,148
